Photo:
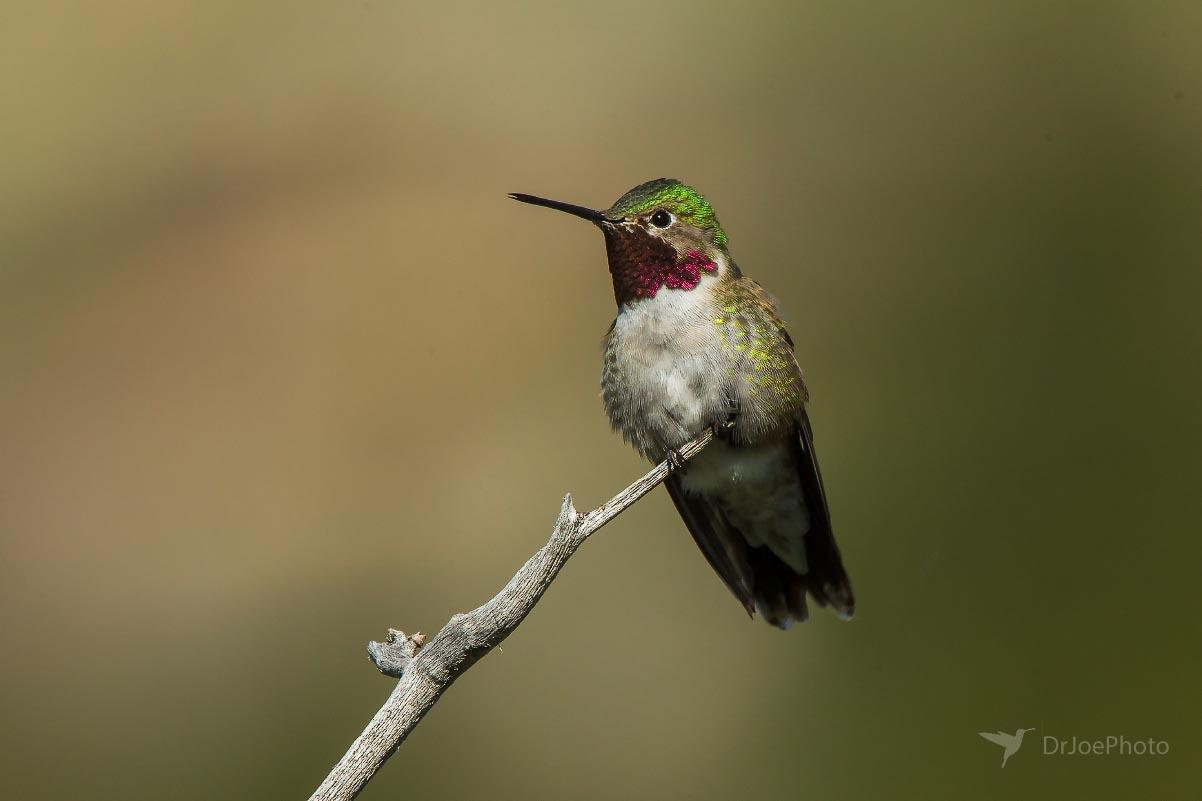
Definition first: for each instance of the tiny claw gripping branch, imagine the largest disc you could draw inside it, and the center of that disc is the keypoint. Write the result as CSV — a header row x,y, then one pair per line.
x,y
676,462
724,428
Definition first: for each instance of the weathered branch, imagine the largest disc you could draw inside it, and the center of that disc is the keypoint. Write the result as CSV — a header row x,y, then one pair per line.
x,y
425,672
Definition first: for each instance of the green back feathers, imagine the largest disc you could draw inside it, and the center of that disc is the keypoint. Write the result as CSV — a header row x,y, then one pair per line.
x,y
683,201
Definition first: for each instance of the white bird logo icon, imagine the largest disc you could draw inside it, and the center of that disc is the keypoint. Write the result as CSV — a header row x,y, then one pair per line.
x,y
1010,742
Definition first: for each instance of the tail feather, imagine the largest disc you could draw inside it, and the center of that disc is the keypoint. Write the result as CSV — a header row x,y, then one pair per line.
x,y
780,593
761,580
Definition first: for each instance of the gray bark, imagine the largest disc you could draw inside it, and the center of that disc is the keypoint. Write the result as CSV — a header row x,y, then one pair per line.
x,y
426,671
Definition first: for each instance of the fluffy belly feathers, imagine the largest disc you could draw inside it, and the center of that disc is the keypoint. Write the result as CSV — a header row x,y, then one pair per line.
x,y
667,375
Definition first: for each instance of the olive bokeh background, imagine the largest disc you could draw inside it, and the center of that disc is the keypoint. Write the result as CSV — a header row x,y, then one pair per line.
x,y
281,367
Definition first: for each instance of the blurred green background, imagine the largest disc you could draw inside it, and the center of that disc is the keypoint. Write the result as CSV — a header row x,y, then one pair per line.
x,y
281,367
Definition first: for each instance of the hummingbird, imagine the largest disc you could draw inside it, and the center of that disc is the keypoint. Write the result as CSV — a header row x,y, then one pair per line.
x,y
695,344
1010,742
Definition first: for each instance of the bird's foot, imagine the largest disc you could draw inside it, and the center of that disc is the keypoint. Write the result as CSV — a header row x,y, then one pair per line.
x,y
676,462
726,426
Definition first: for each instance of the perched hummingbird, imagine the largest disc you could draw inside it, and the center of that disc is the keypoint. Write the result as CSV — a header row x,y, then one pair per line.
x,y
696,344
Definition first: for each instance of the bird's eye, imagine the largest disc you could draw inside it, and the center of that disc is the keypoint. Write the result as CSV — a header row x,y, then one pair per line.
x,y
661,219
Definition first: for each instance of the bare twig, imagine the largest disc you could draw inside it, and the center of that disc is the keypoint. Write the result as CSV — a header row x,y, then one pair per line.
x,y
426,673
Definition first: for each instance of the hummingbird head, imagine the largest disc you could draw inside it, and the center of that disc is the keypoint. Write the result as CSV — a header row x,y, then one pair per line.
x,y
659,235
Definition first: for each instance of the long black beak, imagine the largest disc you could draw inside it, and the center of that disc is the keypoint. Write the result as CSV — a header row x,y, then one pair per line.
x,y
577,211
